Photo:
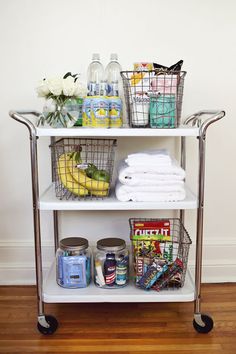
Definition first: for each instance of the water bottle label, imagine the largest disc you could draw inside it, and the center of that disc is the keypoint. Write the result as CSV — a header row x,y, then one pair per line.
x,y
94,89
103,89
114,89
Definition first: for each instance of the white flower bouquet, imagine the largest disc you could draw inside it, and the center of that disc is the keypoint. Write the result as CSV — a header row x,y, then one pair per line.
x,y
60,91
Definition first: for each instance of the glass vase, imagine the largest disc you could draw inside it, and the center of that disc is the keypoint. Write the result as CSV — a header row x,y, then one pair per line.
x,y
61,113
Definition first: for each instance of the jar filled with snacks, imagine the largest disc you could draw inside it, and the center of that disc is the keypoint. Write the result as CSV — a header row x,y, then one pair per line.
x,y
111,263
73,260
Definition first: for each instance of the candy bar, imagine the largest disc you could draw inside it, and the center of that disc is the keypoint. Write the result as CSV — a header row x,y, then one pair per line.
x,y
176,267
153,273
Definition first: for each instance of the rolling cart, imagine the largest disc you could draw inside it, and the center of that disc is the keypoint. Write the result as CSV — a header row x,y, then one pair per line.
x,y
47,290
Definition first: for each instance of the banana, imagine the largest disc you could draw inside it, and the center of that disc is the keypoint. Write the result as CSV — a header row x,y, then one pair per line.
x,y
66,178
91,184
99,193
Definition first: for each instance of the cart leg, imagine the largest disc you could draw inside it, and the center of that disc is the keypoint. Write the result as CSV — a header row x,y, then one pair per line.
x,y
55,212
202,323
46,324
55,226
183,165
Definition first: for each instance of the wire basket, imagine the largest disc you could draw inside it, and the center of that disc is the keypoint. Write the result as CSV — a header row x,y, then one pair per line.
x,y
83,168
160,249
153,99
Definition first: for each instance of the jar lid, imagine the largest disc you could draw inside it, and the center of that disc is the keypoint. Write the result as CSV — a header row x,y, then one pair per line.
x,y
73,244
111,244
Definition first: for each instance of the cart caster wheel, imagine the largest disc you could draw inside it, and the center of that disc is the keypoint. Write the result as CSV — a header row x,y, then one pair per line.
x,y
203,323
47,324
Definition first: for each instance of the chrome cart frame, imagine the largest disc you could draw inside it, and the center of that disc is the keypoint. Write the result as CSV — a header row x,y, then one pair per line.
x,y
48,324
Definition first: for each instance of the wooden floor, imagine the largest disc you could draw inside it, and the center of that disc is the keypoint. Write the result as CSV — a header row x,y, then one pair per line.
x,y
118,328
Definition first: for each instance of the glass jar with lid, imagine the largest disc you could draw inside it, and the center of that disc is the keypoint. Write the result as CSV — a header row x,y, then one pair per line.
x,y
73,260
111,263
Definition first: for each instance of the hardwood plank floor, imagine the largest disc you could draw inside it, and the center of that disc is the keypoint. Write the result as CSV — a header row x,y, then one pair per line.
x,y
118,328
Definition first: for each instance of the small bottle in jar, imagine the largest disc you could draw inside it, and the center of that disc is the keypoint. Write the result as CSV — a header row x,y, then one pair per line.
x,y
111,263
73,260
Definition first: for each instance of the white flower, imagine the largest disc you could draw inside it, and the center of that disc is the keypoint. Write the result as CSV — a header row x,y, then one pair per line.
x,y
80,89
42,89
68,85
55,85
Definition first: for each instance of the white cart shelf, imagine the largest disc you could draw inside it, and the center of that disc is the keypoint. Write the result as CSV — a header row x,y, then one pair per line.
x,y
47,289
116,132
52,292
48,201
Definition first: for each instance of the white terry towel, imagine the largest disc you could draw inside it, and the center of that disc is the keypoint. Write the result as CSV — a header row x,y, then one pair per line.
x,y
126,193
149,157
152,174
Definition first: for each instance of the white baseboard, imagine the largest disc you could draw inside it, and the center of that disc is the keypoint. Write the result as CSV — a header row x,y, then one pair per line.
x,y
17,261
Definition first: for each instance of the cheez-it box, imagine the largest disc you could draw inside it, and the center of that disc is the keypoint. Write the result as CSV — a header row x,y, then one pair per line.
x,y
159,229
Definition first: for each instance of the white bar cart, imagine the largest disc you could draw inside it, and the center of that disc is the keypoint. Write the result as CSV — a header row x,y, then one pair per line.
x,y
47,290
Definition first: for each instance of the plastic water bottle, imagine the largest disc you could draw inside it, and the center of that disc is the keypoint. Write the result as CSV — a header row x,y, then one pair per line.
x,y
112,75
95,77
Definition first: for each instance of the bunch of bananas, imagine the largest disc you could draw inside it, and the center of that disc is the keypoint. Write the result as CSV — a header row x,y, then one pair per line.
x,y
75,179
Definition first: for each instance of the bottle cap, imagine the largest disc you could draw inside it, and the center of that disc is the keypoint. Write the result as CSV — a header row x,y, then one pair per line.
x,y
114,56
73,244
111,244
96,56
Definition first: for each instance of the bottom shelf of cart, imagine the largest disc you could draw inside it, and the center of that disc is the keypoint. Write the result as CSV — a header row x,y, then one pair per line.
x,y
53,293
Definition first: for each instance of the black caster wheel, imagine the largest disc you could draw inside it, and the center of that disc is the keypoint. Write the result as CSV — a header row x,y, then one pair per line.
x,y
47,324
206,325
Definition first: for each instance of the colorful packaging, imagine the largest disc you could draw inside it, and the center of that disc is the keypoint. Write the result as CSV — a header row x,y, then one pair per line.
x,y
115,112
121,270
100,112
162,111
159,229
152,275
176,267
72,271
86,113
143,67
110,269
151,241
165,84
141,80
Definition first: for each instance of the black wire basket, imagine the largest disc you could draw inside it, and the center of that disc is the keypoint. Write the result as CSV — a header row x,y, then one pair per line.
x,y
160,249
153,98
82,167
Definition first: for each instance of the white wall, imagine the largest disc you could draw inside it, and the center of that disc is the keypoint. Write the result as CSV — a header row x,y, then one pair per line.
x,y
41,38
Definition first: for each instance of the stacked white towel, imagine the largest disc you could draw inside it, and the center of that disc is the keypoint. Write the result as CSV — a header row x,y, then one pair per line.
x,y
150,176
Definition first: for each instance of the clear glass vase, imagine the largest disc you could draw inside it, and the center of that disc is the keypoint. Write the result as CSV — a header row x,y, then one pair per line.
x,y
61,113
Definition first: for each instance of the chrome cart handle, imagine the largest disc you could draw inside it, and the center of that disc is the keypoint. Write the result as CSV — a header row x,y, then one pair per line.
x,y
19,117
196,119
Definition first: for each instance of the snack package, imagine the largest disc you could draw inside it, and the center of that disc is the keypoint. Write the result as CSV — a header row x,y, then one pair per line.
x,y
141,79
159,229
176,267
151,242
153,273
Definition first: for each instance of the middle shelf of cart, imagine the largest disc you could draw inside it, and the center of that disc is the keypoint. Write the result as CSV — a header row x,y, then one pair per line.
x,y
49,201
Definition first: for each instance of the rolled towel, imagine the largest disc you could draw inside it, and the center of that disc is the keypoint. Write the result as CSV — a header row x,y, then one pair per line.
x,y
152,174
149,157
126,193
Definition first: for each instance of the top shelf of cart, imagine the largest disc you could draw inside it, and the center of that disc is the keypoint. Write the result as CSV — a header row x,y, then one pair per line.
x,y
194,125
117,132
